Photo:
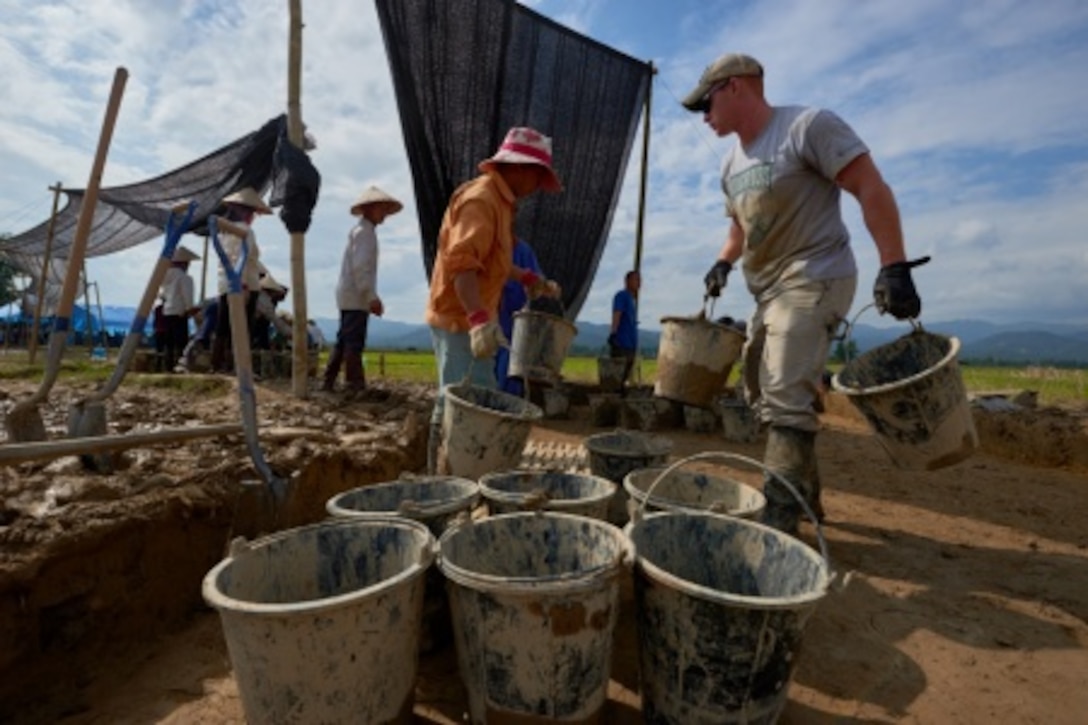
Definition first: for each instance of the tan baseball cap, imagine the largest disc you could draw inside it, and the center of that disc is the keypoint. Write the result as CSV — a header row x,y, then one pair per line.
x,y
727,66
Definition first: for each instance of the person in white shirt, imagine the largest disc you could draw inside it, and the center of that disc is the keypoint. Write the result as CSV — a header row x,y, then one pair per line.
x,y
241,207
178,306
357,290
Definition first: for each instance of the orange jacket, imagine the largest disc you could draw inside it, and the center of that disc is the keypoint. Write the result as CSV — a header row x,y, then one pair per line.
x,y
477,235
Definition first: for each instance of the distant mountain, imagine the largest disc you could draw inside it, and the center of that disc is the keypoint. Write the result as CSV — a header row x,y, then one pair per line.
x,y
984,342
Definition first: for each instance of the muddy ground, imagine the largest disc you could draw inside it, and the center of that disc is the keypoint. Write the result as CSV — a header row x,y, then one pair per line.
x,y
968,600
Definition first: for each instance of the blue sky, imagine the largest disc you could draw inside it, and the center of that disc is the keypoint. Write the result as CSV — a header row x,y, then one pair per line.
x,y
975,112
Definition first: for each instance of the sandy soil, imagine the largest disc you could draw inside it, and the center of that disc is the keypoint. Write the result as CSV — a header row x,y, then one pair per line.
x,y
967,600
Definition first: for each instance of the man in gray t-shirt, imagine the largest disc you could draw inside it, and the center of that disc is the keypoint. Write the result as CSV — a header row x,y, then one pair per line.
x,y
782,185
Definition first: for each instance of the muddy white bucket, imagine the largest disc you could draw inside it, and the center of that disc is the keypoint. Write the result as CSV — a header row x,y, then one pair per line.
x,y
556,403
687,490
610,373
322,622
725,598
539,345
572,493
694,358
434,501
614,455
912,394
739,422
700,420
484,430
535,598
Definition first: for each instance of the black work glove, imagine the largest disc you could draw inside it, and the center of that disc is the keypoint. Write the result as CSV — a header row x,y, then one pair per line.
x,y
612,340
716,278
894,290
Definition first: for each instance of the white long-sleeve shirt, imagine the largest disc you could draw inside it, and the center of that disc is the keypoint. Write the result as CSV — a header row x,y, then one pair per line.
x,y
177,292
358,285
232,246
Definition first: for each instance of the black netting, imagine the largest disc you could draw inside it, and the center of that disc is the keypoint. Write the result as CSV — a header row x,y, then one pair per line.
x,y
467,71
126,216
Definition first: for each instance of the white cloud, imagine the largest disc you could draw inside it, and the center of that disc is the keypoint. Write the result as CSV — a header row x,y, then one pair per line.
x,y
974,113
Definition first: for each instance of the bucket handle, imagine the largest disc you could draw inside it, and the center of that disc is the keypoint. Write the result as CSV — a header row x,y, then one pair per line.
x,y
736,457
847,326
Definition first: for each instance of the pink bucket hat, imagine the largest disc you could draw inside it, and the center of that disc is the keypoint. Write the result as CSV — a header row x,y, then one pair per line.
x,y
524,145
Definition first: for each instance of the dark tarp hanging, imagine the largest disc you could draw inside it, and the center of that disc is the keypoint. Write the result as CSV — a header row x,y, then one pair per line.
x,y
467,71
126,216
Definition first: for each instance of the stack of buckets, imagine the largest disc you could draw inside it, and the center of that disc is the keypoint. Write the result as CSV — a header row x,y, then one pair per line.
x,y
324,623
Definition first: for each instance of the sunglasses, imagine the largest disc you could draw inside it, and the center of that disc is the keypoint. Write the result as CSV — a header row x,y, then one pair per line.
x,y
705,101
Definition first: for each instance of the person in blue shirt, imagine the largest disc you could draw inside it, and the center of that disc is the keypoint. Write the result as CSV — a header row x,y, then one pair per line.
x,y
513,299
623,340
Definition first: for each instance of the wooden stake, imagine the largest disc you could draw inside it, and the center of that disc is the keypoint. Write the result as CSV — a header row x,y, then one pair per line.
x,y
33,349
299,344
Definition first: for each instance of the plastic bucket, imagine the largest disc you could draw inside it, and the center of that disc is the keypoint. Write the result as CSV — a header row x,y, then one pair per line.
x,y
614,455
556,403
739,423
610,373
572,493
434,501
604,409
649,413
535,597
911,392
721,604
539,345
484,430
322,622
682,490
700,420
694,357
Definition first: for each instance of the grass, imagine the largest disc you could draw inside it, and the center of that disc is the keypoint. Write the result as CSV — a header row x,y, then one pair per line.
x,y
1055,386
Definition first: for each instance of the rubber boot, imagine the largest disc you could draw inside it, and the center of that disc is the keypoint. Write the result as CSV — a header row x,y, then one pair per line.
x,y
790,453
434,442
332,369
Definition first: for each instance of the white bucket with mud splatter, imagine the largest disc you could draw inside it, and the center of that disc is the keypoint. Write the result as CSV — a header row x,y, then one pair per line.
x,y
535,597
610,372
912,394
725,598
539,344
322,622
739,422
434,501
694,359
572,493
694,491
484,430
614,455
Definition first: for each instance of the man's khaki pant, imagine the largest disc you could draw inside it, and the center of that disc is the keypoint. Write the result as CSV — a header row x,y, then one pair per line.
x,y
789,336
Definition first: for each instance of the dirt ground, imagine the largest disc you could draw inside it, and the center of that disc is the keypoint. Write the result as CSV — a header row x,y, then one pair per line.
x,y
967,599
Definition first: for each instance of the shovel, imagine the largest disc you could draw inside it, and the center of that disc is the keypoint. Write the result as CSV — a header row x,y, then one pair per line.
x,y
243,361
24,421
87,417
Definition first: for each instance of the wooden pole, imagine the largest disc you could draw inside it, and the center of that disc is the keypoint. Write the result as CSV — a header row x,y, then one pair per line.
x,y
89,321
14,453
204,273
33,349
644,173
299,349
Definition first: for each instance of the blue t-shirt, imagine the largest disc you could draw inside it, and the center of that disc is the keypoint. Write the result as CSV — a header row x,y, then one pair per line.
x,y
627,330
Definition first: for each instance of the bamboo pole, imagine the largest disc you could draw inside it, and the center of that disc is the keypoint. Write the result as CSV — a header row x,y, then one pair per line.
x,y
299,349
33,349
89,316
643,175
15,453
204,274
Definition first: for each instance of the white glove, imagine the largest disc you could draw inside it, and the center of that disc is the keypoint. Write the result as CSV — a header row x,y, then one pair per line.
x,y
486,339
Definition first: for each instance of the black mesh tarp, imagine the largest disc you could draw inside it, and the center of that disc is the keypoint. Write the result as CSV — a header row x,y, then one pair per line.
x,y
465,71
126,216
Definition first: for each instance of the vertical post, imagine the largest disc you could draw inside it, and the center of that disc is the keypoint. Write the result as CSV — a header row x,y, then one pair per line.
x,y
204,274
101,320
300,372
89,321
644,173
33,349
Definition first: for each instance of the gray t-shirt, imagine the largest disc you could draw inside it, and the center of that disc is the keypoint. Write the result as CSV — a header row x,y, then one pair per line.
x,y
782,191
